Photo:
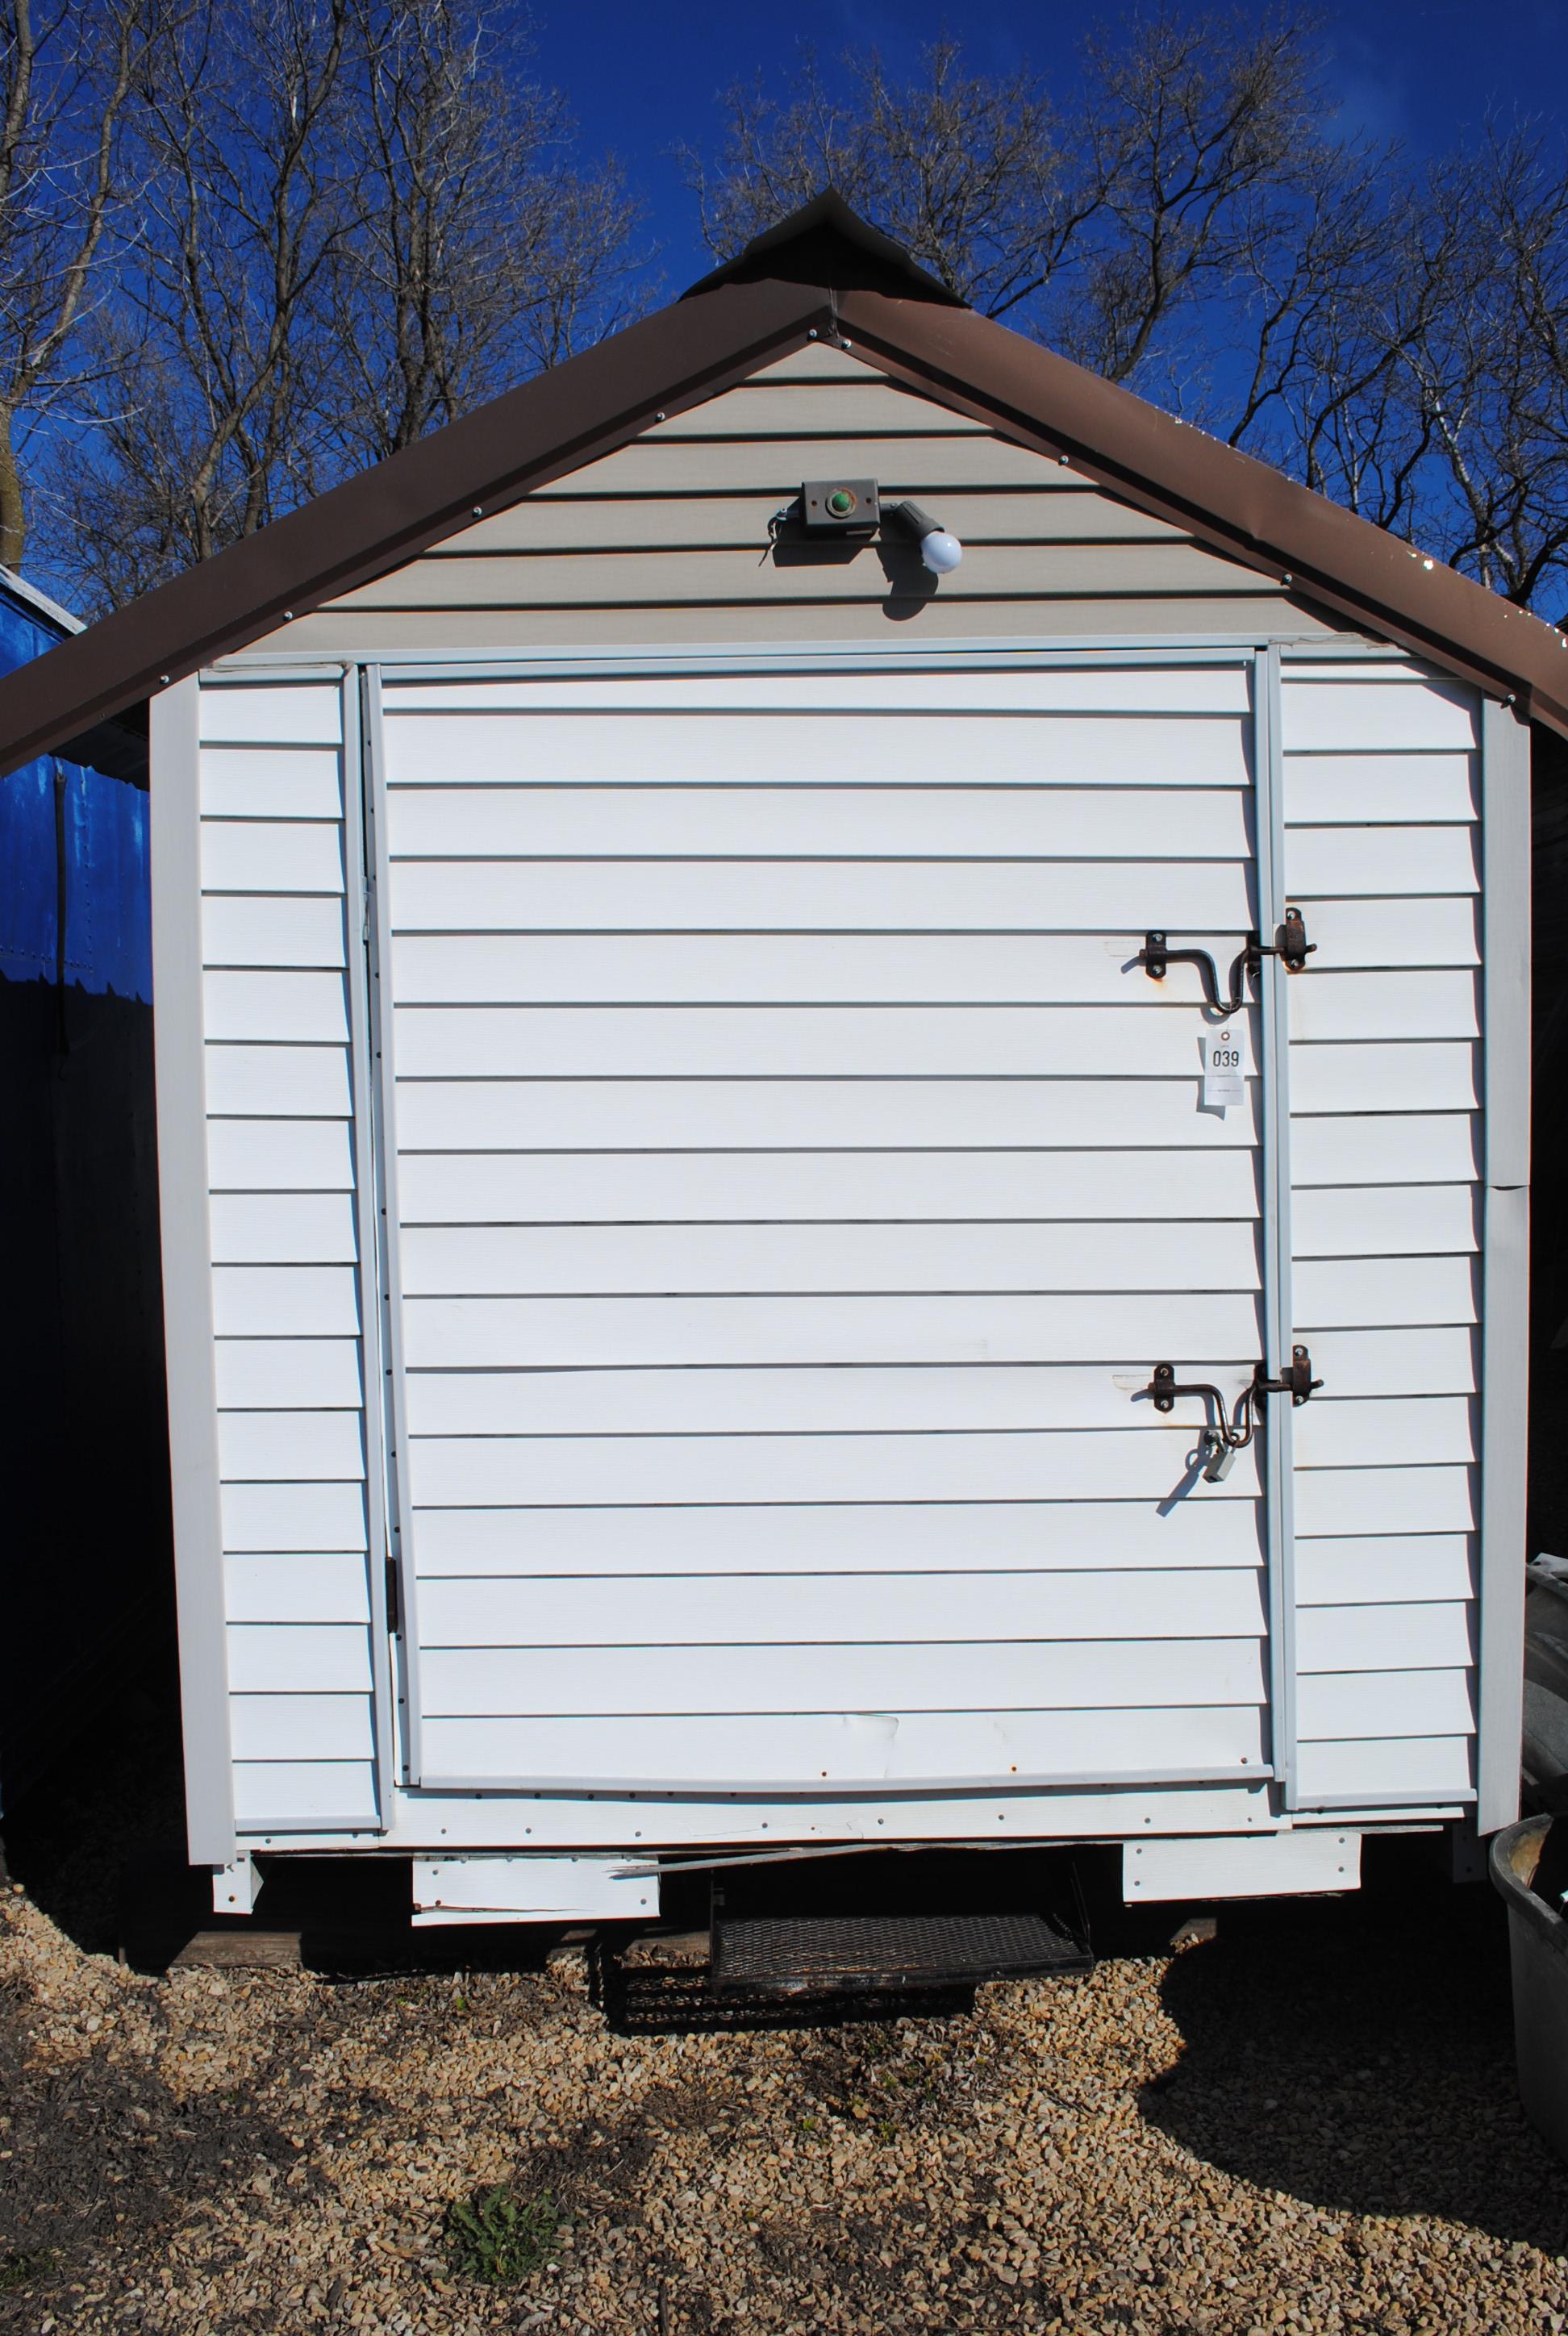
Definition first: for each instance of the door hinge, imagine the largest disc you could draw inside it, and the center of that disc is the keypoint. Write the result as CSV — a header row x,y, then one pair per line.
x,y
393,1599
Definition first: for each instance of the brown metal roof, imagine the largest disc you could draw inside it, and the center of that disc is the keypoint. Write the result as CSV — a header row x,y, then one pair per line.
x,y
718,335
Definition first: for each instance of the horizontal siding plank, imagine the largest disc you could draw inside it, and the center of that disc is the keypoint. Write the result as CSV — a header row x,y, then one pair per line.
x,y
1144,1463
1434,1636
1381,787
290,1446
1123,896
298,1586
1365,935
1431,1075
758,1402
1021,1537
1386,1005
282,1229
902,464
242,855
528,1333
1369,1293
1349,862
251,1082
1361,713
818,822
1101,1675
280,1155
285,1301
547,522
808,1042
851,1747
1201,687
773,409
274,931
840,1609
1353,1501
247,783
270,714
585,1188
312,1007
297,1795
768,1114
1395,1362
1383,1220
1385,1569
285,1517
1437,1768
659,578
788,745
264,1374
1336,1705
783,969
1387,1432
299,1728
299,1658
1385,1148
610,1260
785,623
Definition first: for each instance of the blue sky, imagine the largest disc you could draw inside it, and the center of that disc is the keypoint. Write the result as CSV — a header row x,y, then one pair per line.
x,y
644,78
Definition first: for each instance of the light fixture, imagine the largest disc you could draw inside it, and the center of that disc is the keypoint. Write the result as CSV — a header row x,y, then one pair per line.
x,y
940,551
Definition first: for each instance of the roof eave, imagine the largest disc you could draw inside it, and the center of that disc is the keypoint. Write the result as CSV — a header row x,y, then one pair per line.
x,y
556,423
1225,498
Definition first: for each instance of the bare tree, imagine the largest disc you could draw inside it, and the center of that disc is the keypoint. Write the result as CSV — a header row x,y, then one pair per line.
x,y
1189,220
360,218
479,253
66,79
969,173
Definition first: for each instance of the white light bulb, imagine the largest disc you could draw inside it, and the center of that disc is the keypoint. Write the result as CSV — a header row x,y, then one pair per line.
x,y
942,551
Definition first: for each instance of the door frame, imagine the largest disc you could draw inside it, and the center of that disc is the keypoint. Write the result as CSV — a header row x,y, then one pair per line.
x,y
395,1590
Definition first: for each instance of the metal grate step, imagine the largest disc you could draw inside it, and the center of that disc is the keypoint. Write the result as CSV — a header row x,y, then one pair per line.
x,y
795,1954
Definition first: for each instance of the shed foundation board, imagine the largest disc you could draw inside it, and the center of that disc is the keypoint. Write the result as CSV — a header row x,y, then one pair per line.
x,y
530,1889
1281,1864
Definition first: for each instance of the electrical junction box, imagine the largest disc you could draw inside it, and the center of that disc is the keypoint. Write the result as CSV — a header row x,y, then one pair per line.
x,y
841,506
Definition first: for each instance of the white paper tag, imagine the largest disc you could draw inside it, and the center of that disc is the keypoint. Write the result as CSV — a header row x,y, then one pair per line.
x,y
1225,1066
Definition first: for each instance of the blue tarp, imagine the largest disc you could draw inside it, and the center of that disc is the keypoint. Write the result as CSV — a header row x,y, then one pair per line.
x,y
104,832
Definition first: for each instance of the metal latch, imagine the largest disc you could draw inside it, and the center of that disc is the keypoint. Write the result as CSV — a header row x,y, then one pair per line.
x,y
1289,945
1230,1431
1295,1380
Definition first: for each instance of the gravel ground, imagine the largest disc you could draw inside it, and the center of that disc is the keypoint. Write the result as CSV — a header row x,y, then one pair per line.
x,y
1308,2122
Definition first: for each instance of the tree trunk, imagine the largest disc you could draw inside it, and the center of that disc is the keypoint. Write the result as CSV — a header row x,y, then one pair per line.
x,y
13,504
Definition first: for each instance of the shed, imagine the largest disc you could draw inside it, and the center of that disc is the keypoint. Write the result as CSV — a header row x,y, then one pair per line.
x,y
693,1150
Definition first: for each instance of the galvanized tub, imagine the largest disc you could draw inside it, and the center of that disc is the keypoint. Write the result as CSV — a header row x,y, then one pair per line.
x,y
1538,1949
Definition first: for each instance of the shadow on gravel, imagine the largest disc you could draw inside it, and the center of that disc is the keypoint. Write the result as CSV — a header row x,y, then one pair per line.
x,y
1358,2053
100,2161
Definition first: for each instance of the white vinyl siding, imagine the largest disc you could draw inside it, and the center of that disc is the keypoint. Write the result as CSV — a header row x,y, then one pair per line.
x,y
666,540
776,1163
1382,853
285,1294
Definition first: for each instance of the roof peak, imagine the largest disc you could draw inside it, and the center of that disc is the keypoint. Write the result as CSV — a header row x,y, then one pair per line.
x,y
827,243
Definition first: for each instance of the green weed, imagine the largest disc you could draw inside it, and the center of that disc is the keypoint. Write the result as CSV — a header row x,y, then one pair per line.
x,y
497,2237
20,2270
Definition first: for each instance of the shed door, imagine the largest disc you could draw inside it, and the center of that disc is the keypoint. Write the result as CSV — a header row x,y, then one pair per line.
x,y
791,1184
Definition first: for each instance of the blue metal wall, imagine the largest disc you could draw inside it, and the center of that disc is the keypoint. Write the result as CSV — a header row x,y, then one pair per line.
x,y
85,1552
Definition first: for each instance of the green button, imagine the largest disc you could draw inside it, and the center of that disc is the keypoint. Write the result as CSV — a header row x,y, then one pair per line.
x,y
842,502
